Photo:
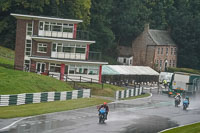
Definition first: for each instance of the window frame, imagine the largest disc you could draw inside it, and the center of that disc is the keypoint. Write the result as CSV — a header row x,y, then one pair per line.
x,y
38,47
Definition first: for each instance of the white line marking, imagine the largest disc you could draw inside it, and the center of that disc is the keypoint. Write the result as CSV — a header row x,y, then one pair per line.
x,y
12,124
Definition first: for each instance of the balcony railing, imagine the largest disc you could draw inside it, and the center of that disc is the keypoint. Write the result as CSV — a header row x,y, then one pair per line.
x,y
75,34
92,56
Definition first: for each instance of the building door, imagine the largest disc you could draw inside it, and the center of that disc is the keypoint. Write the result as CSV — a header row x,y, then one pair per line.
x,y
40,67
41,28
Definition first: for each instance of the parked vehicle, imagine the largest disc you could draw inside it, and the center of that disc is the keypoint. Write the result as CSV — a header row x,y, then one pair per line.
x,y
184,83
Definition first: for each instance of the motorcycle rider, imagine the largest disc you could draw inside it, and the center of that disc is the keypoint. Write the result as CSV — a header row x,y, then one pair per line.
x,y
104,105
178,97
187,98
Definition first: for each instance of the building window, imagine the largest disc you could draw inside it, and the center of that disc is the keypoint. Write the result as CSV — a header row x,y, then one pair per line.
x,y
166,51
47,26
54,49
28,47
41,25
54,67
68,27
156,61
170,63
80,50
160,63
158,50
173,63
56,28
26,65
93,70
68,49
29,29
72,69
42,48
59,47
172,51
161,50
82,69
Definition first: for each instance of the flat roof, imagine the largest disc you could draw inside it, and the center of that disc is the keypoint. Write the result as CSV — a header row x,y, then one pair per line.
x,y
61,39
22,16
68,61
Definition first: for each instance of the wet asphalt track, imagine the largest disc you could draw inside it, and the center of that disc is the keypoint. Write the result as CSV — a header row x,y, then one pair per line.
x,y
149,115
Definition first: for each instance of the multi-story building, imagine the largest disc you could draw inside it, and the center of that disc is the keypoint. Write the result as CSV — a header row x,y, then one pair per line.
x,y
154,48
51,45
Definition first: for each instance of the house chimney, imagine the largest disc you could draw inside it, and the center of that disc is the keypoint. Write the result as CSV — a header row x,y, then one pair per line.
x,y
146,27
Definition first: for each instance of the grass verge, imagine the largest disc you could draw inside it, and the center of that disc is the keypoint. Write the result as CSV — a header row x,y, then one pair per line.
x,y
135,97
16,82
96,89
193,128
48,107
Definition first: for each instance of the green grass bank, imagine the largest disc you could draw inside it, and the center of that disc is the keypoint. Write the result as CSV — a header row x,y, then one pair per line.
x,y
193,128
48,107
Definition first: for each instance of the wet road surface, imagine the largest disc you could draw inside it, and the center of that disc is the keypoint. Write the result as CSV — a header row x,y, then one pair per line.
x,y
149,115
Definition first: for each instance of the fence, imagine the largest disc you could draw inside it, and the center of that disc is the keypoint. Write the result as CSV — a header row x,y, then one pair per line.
x,y
27,98
128,93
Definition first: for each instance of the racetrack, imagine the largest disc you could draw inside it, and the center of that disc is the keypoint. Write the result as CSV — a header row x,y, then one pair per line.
x,y
146,115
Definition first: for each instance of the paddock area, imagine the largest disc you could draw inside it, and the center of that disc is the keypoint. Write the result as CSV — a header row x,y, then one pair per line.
x,y
126,75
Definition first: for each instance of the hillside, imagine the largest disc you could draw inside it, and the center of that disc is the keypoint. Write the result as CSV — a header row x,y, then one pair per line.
x,y
15,82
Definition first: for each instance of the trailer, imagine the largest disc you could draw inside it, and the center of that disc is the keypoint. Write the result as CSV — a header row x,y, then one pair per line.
x,y
184,83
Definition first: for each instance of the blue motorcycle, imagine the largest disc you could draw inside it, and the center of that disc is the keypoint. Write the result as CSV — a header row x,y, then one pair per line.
x,y
102,115
185,104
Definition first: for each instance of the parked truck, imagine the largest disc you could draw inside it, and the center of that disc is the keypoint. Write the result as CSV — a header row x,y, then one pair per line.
x,y
184,83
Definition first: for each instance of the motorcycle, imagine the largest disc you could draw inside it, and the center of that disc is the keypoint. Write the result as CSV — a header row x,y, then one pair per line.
x,y
185,104
177,102
102,115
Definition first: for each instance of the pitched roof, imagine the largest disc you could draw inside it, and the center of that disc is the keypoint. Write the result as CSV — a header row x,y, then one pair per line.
x,y
161,37
124,51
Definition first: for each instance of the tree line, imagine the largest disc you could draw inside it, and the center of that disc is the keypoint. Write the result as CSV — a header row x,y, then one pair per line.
x,y
116,22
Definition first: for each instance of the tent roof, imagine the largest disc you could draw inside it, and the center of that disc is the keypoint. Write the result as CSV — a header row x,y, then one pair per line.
x,y
127,70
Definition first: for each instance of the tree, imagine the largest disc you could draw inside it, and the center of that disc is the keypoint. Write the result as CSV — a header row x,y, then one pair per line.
x,y
185,25
129,18
100,27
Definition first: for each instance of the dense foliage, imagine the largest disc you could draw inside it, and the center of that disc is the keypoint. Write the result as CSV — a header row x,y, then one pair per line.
x,y
116,22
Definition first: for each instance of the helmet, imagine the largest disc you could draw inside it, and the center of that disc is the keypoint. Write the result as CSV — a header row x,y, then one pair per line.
x,y
104,103
186,97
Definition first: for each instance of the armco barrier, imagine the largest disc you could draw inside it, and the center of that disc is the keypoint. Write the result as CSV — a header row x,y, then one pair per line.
x,y
27,98
128,93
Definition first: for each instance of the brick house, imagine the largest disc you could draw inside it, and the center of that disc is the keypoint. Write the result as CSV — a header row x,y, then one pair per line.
x,y
154,48
49,45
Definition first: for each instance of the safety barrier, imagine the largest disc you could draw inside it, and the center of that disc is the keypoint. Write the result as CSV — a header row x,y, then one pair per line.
x,y
27,98
128,93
